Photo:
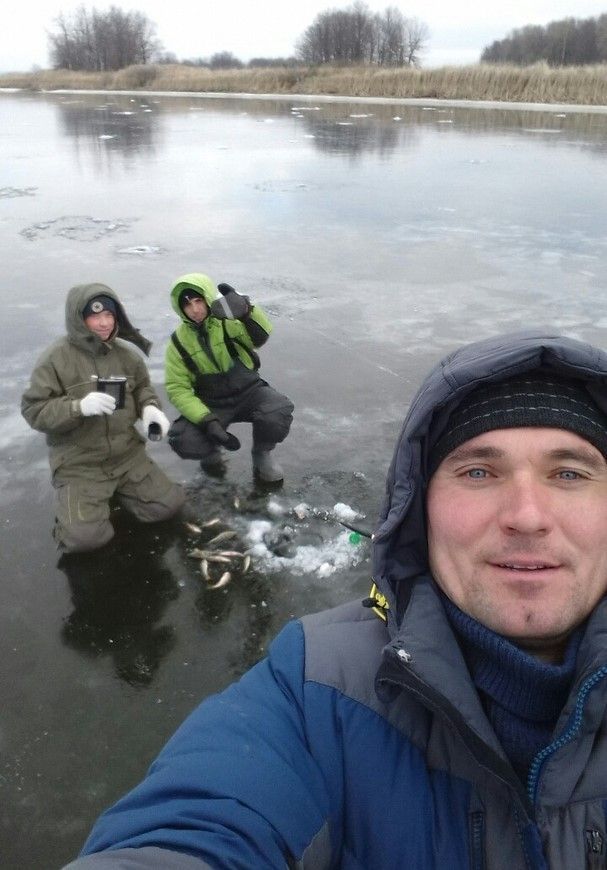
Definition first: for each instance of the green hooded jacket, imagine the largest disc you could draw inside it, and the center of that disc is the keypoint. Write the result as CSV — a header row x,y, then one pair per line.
x,y
67,371
205,344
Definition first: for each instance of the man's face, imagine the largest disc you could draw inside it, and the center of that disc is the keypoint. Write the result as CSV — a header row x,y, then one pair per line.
x,y
196,309
517,533
102,324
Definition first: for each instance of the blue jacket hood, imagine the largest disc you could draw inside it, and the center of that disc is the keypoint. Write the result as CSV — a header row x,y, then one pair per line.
x,y
400,541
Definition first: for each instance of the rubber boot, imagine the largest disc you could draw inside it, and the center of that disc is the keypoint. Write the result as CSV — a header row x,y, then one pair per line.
x,y
265,466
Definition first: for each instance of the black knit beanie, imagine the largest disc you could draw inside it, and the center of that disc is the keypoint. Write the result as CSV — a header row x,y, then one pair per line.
x,y
535,399
186,295
98,304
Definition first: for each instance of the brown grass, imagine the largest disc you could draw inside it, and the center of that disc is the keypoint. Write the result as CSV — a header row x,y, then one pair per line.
x,y
539,83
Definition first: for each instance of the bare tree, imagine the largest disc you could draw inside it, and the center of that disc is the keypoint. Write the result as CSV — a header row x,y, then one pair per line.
x,y
560,43
417,37
355,35
107,40
225,60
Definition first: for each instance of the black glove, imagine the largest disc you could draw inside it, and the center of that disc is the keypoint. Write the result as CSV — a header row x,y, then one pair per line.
x,y
232,305
215,432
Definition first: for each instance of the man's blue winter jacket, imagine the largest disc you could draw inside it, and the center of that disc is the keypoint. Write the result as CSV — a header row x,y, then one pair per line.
x,y
360,742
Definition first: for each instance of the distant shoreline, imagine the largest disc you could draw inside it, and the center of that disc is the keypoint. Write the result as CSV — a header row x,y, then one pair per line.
x,y
483,85
336,98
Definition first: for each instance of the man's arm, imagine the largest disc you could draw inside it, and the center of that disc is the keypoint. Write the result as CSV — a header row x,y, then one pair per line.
x,y
143,391
179,384
253,330
236,786
46,405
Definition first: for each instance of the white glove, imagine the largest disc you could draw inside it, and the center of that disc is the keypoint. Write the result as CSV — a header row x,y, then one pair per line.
x,y
97,403
152,414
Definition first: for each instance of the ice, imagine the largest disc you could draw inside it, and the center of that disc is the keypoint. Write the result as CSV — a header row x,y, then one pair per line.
x,y
344,512
9,192
334,555
141,250
82,228
275,508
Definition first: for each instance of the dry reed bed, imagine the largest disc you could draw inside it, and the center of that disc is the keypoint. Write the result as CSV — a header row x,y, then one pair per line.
x,y
539,83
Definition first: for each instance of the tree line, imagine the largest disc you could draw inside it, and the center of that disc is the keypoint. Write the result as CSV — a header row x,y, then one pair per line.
x,y
102,41
568,42
356,35
113,39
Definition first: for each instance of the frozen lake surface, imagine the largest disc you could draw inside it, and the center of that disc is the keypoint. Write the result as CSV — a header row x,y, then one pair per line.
x,y
377,237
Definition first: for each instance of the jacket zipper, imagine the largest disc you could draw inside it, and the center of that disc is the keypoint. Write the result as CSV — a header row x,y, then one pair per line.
x,y
477,820
571,730
477,841
594,840
595,849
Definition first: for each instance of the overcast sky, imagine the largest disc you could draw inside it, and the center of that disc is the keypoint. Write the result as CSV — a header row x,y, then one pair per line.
x,y
271,28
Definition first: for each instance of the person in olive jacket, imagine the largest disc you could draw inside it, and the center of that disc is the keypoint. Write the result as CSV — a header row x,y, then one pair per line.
x,y
212,379
95,452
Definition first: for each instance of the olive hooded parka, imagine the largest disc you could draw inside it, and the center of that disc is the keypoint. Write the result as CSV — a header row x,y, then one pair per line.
x,y
68,370
206,344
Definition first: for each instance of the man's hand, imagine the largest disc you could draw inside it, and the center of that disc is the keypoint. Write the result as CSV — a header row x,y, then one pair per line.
x,y
232,305
215,432
97,403
152,415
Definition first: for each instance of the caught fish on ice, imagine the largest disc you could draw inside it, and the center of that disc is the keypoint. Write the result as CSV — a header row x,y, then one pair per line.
x,y
197,554
223,536
223,581
193,528
210,523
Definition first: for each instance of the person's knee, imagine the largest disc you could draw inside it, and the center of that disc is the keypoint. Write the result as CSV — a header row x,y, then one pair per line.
x,y
82,537
170,504
273,425
150,495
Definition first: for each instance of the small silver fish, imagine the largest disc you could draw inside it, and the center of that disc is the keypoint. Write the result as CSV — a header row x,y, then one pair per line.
x,y
194,529
236,502
217,557
204,568
246,564
210,523
197,554
223,581
223,536
232,554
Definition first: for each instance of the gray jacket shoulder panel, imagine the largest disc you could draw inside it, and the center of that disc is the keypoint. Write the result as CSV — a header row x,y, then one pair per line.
x,y
343,651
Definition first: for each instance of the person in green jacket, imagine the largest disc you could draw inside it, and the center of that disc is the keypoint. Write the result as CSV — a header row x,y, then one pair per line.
x,y
86,393
212,377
